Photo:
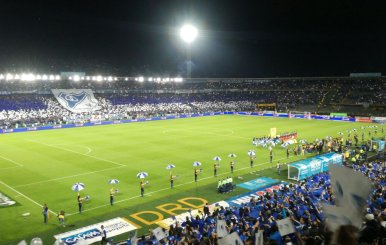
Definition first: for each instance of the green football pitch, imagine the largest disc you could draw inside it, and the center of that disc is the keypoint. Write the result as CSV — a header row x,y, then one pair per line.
x,y
41,167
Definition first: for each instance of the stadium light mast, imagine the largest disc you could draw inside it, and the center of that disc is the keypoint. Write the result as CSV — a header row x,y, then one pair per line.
x,y
188,34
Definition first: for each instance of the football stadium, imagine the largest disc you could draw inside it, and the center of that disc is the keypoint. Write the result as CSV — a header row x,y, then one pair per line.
x,y
101,156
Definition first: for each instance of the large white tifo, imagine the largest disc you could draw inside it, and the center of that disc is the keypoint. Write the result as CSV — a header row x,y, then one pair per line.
x,y
92,233
77,100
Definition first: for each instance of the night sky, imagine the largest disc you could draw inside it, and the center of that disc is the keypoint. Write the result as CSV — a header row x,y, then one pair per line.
x,y
236,39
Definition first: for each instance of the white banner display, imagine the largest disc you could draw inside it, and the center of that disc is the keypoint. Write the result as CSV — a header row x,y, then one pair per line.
x,y
92,233
259,238
351,190
77,100
159,233
221,228
285,226
231,239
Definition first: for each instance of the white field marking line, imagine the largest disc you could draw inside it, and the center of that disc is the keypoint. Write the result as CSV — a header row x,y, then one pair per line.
x,y
164,189
67,177
12,161
28,198
82,146
9,167
64,149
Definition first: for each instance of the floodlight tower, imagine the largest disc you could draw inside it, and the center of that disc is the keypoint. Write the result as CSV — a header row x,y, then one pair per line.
x,y
188,34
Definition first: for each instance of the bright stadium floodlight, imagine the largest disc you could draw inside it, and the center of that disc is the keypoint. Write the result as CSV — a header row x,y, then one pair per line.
x,y
9,76
44,77
76,78
29,77
1,76
150,79
17,77
109,79
141,79
158,79
57,77
126,79
38,77
188,33
99,78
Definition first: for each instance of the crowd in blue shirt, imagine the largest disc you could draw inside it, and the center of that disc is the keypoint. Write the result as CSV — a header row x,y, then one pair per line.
x,y
300,201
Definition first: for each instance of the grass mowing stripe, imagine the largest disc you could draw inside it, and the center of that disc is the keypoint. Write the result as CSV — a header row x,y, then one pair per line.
x,y
12,161
67,177
142,147
28,198
64,149
186,183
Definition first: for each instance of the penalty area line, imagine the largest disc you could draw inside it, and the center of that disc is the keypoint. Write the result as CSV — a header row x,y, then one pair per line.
x,y
26,197
67,177
12,161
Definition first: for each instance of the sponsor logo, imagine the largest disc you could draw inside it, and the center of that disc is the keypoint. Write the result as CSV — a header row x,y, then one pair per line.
x,y
79,125
258,183
57,126
363,119
91,234
117,122
245,198
5,201
32,129
180,218
7,130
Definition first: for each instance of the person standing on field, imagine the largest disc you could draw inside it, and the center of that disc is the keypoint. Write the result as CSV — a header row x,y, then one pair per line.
x,y
195,174
171,181
278,168
111,197
45,213
103,235
142,186
80,203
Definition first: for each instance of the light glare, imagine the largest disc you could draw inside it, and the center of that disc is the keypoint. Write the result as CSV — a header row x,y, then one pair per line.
x,y
188,33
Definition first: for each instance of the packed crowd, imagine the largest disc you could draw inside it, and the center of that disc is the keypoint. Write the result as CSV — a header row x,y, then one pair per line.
x,y
50,112
300,202
26,103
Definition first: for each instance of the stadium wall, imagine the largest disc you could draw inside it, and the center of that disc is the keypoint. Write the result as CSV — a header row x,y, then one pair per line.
x,y
88,124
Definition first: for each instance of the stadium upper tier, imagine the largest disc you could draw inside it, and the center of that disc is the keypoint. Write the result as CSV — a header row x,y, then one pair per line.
x,y
28,102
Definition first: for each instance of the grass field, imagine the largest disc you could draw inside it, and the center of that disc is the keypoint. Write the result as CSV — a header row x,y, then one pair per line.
x,y
40,167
